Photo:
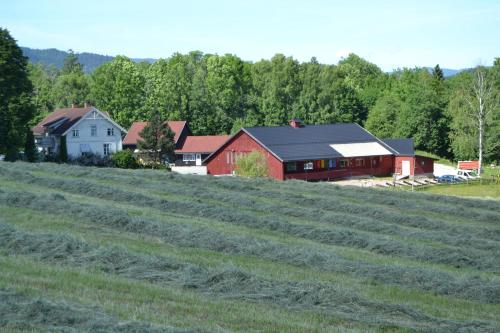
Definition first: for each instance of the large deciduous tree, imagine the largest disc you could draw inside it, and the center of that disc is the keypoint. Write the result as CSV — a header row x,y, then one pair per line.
x,y
16,108
118,88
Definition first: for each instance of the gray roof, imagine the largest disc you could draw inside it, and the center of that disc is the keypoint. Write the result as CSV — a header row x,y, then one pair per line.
x,y
308,142
401,147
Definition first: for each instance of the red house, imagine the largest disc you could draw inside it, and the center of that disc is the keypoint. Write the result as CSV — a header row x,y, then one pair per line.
x,y
320,152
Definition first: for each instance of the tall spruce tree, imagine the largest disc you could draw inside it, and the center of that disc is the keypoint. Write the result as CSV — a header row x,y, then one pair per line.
x,y
29,146
157,139
16,108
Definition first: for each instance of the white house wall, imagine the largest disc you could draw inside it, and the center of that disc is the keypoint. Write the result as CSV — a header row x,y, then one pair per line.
x,y
96,143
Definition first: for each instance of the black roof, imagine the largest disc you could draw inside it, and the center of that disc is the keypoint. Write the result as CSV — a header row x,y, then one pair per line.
x,y
310,141
401,147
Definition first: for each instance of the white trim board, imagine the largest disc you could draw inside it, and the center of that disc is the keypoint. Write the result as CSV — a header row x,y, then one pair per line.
x,y
360,149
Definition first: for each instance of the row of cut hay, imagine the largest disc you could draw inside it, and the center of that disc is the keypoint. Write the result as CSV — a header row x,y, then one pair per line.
x,y
458,205
453,256
242,184
226,282
297,205
371,219
187,235
20,312
484,210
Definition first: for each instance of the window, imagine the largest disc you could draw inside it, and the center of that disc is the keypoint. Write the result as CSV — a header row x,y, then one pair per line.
x,y
374,162
422,162
291,166
93,130
308,166
343,163
360,162
76,133
106,149
332,164
188,157
111,131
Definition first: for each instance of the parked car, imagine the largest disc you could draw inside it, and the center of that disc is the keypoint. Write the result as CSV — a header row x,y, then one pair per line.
x,y
2,157
467,174
448,179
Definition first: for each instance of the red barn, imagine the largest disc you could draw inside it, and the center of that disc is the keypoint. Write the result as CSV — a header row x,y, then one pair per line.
x,y
318,152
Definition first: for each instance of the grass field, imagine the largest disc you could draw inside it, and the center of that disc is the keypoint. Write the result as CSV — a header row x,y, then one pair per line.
x,y
473,189
111,250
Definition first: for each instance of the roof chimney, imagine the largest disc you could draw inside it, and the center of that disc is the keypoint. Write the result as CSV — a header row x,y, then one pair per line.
x,y
296,123
87,104
72,105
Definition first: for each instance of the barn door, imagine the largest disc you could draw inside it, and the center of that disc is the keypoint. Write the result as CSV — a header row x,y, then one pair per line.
x,y
405,168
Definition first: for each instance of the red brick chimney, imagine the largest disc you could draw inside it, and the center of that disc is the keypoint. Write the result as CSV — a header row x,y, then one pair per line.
x,y
295,123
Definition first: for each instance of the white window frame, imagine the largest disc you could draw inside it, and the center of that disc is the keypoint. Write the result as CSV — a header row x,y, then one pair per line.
x,y
111,130
75,133
343,163
106,149
189,157
309,166
93,130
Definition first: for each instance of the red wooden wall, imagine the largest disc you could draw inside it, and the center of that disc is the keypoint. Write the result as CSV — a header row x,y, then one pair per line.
x,y
423,164
242,143
375,166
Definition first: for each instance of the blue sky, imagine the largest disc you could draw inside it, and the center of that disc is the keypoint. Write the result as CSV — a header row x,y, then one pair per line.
x,y
391,34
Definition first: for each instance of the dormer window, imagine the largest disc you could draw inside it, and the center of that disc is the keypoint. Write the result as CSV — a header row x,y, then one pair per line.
x,y
111,131
93,130
75,133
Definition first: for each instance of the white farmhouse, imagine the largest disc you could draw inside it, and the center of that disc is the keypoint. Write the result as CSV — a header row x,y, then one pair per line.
x,y
87,130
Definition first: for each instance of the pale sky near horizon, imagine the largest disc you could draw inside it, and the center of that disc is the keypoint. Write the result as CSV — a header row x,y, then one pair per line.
x,y
391,34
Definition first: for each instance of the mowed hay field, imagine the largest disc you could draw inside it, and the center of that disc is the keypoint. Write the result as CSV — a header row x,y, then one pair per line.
x,y
110,250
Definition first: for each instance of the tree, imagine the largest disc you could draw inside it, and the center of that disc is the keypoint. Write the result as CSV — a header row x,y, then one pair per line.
x,y
63,150
118,87
43,79
253,164
72,85
71,64
29,146
482,102
382,119
157,139
16,108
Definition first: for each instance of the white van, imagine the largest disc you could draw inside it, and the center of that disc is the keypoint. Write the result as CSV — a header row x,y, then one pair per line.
x,y
467,174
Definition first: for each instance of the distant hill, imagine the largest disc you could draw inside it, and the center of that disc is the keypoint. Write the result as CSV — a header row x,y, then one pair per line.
x,y
447,72
55,57
91,61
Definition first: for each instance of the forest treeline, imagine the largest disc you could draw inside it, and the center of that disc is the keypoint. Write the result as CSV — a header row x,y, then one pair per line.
x,y
218,94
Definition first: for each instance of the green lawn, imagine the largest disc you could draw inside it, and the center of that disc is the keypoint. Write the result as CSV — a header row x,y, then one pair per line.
x,y
89,249
486,191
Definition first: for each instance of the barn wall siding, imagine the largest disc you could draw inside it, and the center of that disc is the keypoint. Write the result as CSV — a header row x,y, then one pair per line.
x,y
242,143
423,165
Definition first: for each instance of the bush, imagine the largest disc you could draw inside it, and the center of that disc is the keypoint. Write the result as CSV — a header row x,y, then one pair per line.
x,y
91,159
125,159
252,165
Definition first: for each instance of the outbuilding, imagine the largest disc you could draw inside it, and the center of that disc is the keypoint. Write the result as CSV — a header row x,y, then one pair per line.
x,y
315,152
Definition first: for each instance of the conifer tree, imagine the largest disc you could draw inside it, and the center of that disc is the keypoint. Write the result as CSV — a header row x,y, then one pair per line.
x,y
157,139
